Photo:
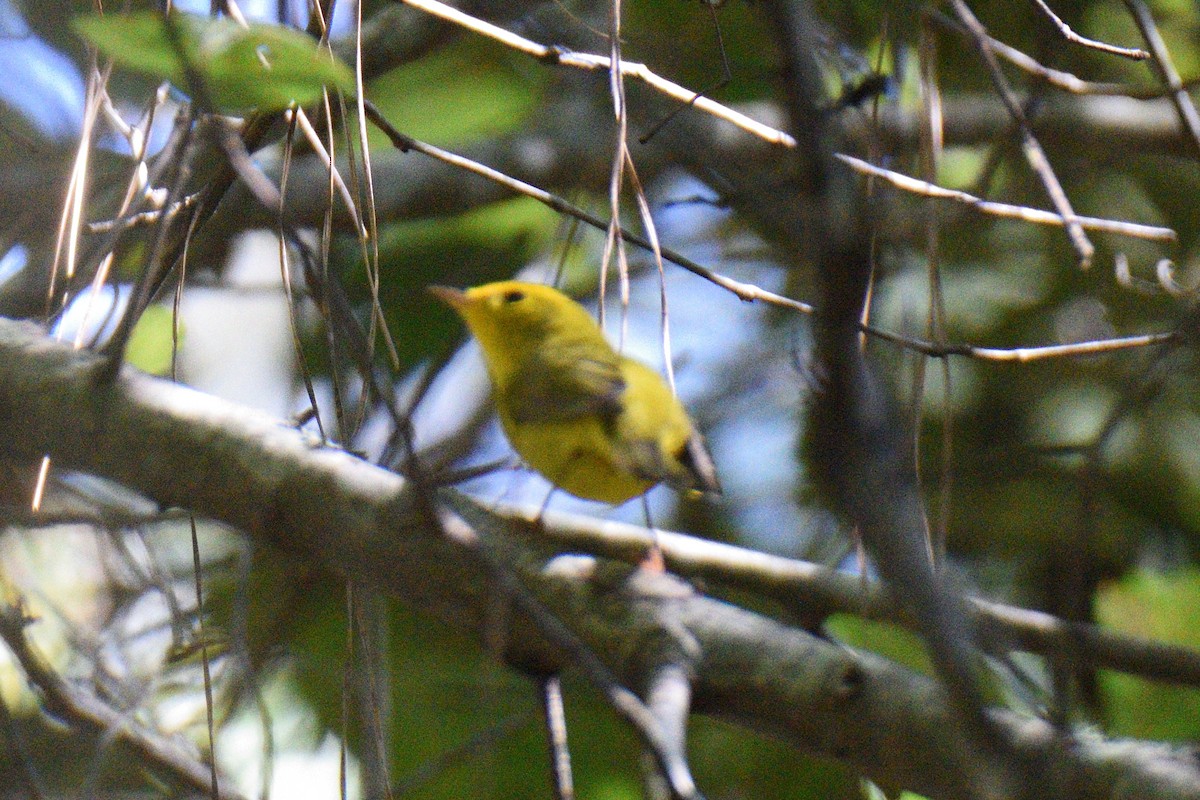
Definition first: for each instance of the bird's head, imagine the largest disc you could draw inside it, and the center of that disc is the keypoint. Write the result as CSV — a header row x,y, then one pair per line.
x,y
513,319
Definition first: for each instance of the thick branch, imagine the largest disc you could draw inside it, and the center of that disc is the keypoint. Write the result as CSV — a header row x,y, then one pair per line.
x,y
813,592
183,448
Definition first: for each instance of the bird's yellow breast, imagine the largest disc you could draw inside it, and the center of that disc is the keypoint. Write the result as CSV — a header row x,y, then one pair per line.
x,y
577,456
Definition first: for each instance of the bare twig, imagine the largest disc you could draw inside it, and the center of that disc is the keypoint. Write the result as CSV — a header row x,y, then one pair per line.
x,y
1054,77
614,242
121,223
314,141
81,708
932,141
1184,106
205,663
720,83
1006,210
262,187
66,245
555,720
1024,354
1134,53
1034,154
586,61
744,291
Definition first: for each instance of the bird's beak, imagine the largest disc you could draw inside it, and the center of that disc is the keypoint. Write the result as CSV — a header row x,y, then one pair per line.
x,y
455,298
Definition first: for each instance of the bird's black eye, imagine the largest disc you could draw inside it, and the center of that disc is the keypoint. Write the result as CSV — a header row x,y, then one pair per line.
x,y
514,296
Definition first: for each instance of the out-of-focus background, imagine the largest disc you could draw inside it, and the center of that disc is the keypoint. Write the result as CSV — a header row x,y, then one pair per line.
x,y
1066,483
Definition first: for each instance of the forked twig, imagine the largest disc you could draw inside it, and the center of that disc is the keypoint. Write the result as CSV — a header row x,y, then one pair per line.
x,y
720,83
1055,77
1034,154
81,708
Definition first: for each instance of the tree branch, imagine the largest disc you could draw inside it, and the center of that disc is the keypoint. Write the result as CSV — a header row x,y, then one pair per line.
x,y
241,467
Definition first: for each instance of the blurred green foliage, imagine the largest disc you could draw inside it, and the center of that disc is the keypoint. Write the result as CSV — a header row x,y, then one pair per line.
x,y
266,67
470,89
1023,501
1164,606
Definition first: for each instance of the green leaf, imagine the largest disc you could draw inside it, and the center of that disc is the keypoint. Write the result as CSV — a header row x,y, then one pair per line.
x,y
459,94
267,67
151,345
138,41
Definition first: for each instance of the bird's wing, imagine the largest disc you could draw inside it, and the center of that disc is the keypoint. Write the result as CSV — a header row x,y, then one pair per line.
x,y
564,384
656,440
689,468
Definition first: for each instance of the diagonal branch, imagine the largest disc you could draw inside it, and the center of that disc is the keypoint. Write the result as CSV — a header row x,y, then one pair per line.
x,y
587,61
183,448
1038,161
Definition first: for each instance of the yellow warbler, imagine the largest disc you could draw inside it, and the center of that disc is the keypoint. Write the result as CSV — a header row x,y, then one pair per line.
x,y
593,422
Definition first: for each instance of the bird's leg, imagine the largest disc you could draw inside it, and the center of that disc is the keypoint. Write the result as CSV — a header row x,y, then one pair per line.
x,y
538,521
653,560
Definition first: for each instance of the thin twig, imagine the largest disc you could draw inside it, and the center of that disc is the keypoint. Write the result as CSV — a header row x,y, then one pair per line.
x,y
314,141
1006,210
744,291
256,181
66,243
932,145
1135,53
721,83
555,721
614,242
1026,354
1055,77
205,661
121,223
77,706
1034,154
586,61
1182,101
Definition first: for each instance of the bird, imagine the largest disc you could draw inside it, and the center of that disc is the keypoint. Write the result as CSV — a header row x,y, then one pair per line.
x,y
595,423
